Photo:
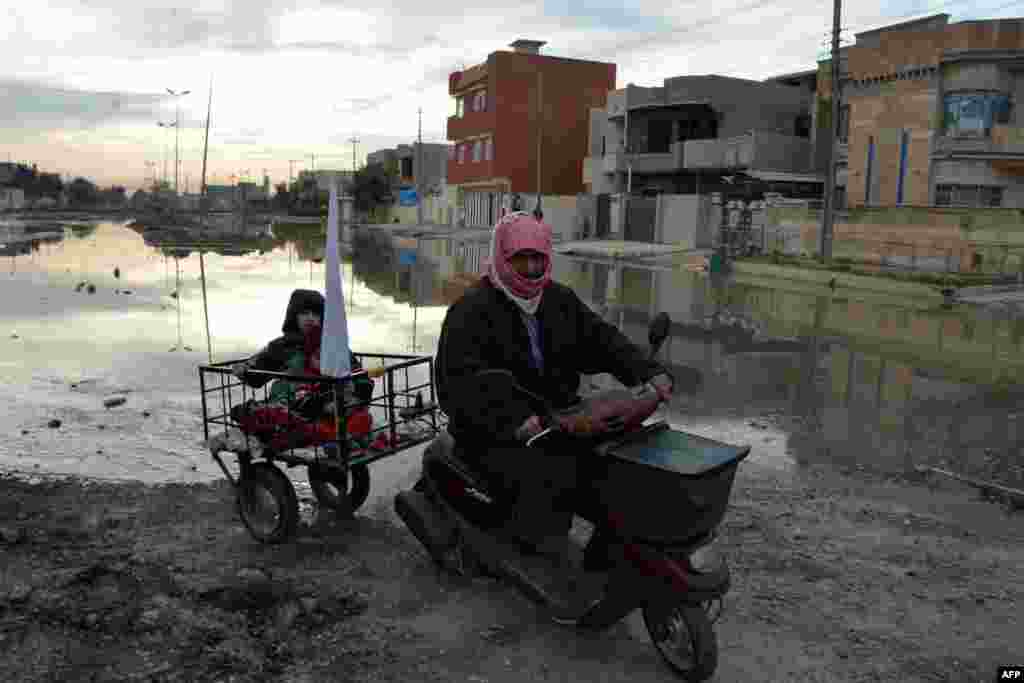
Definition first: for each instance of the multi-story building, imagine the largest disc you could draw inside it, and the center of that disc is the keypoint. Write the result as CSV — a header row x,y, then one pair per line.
x,y
520,126
684,137
929,114
403,158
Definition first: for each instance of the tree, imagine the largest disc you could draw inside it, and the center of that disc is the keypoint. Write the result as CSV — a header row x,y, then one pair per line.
x,y
371,188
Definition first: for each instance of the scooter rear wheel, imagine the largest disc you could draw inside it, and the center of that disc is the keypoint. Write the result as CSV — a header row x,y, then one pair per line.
x,y
685,639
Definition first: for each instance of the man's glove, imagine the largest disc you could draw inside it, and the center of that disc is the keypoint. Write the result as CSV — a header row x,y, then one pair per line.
x,y
239,369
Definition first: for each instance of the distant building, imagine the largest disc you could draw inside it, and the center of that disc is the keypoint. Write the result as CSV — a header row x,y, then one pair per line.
x,y
11,198
322,177
222,197
7,172
251,192
434,161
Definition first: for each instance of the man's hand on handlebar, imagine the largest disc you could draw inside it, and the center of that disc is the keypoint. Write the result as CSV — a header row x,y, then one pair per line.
x,y
239,369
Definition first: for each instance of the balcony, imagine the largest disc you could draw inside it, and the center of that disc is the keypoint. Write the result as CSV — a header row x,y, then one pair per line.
x,y
1004,142
760,150
470,123
460,80
469,171
643,162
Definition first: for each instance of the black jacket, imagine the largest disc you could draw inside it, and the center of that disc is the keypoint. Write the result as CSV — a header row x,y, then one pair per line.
x,y
485,330
275,356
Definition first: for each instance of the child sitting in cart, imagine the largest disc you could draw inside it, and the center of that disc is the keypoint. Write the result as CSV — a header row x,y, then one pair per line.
x,y
304,413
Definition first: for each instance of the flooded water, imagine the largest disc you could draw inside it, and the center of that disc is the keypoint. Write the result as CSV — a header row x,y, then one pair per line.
x,y
803,373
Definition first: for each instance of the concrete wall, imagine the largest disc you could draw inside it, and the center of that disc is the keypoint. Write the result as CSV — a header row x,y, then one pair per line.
x,y
920,238
684,220
779,152
560,211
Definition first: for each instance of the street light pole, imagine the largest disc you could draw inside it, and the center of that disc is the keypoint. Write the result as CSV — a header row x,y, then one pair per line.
x,y
165,126
355,141
177,125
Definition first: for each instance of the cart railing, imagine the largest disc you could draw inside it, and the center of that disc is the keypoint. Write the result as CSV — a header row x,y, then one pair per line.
x,y
403,407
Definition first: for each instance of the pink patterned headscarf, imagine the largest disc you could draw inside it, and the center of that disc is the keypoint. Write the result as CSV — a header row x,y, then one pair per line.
x,y
515,232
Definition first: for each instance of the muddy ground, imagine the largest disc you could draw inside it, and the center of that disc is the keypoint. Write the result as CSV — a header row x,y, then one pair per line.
x,y
836,578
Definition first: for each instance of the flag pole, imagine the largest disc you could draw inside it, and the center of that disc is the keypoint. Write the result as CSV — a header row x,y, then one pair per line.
x,y
205,202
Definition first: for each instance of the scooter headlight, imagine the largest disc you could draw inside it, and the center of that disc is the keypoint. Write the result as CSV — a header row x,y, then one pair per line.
x,y
706,559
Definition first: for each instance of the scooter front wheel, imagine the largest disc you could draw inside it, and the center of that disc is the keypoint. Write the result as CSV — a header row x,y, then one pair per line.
x,y
685,639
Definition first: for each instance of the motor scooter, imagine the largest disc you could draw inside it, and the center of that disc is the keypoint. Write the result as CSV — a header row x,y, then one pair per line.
x,y
663,494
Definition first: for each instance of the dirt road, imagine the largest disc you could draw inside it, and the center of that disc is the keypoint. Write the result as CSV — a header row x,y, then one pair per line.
x,y
835,579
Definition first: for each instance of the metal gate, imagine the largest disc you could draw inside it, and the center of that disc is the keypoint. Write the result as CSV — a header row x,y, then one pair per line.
x,y
641,215
603,225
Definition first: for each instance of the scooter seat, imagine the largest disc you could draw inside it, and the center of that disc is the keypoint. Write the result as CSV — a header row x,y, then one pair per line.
x,y
445,452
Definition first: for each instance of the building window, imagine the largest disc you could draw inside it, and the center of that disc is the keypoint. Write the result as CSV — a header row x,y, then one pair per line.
x,y
480,101
488,149
604,144
972,114
461,153
451,152
968,195
458,107
477,150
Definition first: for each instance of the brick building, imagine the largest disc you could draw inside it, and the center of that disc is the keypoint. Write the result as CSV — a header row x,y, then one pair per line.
x,y
521,119
929,115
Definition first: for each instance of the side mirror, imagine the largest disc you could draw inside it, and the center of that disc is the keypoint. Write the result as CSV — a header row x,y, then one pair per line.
x,y
658,332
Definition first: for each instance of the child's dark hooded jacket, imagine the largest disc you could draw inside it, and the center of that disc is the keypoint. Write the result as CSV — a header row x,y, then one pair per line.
x,y
299,354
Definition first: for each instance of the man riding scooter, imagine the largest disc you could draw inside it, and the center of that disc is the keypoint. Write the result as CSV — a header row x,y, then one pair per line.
x,y
519,320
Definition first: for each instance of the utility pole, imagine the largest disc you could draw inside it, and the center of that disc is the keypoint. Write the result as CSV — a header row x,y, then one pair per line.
x,y
419,173
355,141
291,173
828,213
540,133
312,162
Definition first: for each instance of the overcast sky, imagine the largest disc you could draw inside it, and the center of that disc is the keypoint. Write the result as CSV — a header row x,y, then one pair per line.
x,y
82,83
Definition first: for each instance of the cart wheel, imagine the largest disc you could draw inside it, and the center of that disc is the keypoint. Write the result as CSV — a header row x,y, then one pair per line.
x,y
334,490
684,638
267,503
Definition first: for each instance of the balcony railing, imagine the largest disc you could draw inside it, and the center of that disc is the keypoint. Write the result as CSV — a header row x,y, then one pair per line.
x,y
470,123
469,171
761,150
643,162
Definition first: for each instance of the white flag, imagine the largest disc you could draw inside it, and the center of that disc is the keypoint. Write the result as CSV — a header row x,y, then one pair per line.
x,y
334,352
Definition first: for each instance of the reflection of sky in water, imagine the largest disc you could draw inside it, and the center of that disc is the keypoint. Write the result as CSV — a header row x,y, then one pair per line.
x,y
874,376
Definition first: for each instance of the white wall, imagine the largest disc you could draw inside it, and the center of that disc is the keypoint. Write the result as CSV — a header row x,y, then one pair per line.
x,y
559,212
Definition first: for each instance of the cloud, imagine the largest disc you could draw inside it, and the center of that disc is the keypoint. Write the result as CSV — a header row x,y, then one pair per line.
x,y
45,106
